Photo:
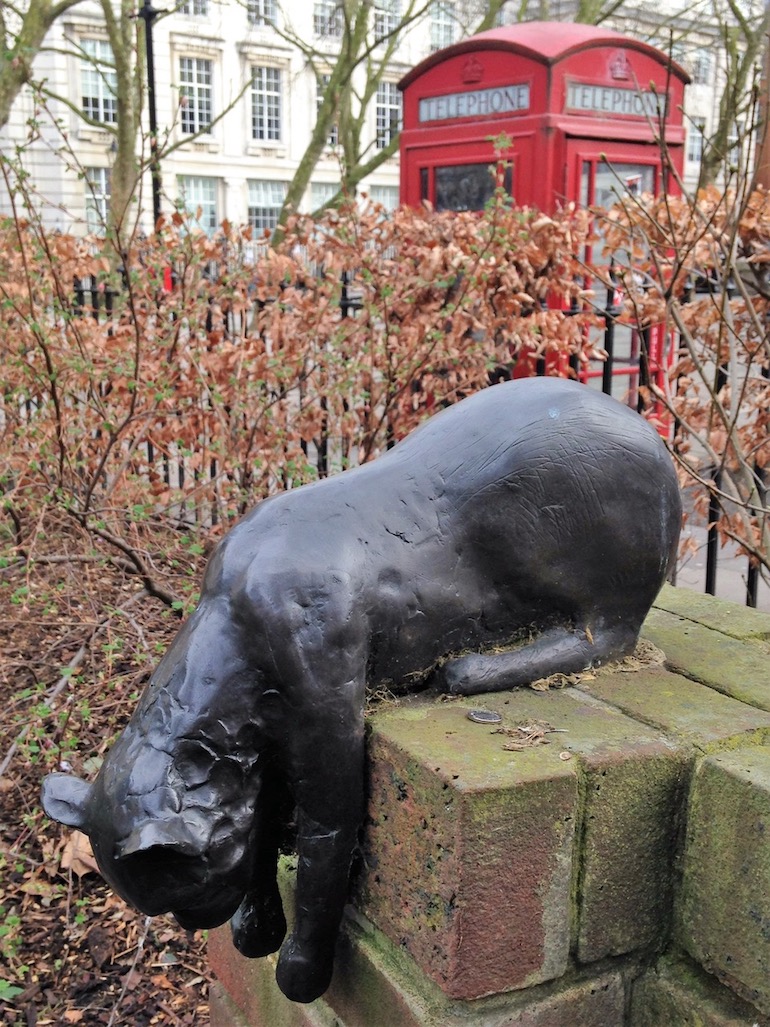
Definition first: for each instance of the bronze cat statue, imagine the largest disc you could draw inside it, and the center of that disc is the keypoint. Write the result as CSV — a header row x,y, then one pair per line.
x,y
538,502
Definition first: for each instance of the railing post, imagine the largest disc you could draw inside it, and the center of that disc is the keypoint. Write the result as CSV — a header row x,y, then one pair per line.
x,y
712,539
80,298
344,298
760,473
644,366
715,507
609,335
148,14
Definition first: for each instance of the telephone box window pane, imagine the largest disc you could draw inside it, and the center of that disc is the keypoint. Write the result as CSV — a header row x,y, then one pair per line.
x,y
585,184
468,186
615,181
424,180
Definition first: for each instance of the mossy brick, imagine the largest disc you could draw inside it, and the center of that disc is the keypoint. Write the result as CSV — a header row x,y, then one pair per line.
x,y
451,842
223,1012
248,995
676,993
468,849
725,904
376,983
598,1002
633,780
692,712
373,982
729,618
737,668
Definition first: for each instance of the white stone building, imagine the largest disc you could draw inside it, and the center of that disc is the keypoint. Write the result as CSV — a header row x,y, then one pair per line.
x,y
223,61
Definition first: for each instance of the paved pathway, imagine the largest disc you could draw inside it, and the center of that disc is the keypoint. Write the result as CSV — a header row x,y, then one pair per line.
x,y
731,571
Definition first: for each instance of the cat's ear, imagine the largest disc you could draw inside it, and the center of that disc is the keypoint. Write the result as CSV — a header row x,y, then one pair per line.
x,y
65,798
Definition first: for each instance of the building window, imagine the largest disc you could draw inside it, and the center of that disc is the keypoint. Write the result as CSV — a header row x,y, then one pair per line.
x,y
196,94
198,197
388,113
261,12
97,199
701,67
443,25
266,103
197,8
734,141
265,202
98,81
387,17
385,195
327,18
695,130
678,50
321,193
322,84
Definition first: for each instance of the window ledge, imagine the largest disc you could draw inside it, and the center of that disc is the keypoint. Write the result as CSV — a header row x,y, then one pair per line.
x,y
208,46
91,134
261,38
204,145
265,149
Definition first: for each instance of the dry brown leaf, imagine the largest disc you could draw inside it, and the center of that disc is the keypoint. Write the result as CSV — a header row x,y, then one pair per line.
x,y
36,886
100,945
526,736
78,855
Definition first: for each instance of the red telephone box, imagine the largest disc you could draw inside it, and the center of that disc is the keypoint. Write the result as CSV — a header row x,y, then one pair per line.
x,y
583,108
582,111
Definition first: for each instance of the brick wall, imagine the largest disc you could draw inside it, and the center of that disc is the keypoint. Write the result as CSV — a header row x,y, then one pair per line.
x,y
604,860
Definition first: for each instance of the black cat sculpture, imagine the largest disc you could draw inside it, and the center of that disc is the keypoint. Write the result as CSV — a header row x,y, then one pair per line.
x,y
536,503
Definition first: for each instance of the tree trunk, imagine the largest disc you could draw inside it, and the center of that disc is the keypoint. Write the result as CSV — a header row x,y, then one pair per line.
x,y
125,40
16,66
743,44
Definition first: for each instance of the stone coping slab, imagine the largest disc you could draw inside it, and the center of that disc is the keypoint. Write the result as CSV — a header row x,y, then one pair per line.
x,y
680,707
728,618
737,668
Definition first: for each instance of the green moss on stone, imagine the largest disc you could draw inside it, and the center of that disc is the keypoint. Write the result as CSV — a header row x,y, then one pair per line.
x,y
725,908
732,619
688,710
739,669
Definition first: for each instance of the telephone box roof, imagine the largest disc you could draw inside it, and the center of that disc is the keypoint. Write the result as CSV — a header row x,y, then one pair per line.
x,y
545,41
